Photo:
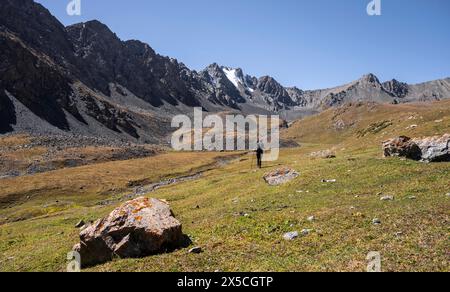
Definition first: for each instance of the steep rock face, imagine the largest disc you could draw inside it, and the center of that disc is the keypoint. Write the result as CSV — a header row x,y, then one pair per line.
x,y
133,65
297,96
398,89
84,79
35,81
274,94
430,91
7,113
220,88
365,89
34,24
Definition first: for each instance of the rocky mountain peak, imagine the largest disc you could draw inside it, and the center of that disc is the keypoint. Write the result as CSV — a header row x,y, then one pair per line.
x,y
36,27
399,89
370,79
93,36
268,84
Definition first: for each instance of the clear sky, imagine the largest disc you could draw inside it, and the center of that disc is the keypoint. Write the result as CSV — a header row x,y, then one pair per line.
x,y
307,43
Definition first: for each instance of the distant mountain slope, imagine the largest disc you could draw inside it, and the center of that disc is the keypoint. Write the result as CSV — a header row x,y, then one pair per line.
x,y
360,124
83,79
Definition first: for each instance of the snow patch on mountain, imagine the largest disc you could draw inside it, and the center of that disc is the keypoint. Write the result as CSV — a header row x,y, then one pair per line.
x,y
233,76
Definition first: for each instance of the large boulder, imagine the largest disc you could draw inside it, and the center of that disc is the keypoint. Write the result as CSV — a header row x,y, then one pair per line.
x,y
138,228
434,149
428,149
402,147
280,176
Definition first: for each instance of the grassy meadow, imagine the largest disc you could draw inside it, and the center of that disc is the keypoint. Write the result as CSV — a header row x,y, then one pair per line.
x,y
239,220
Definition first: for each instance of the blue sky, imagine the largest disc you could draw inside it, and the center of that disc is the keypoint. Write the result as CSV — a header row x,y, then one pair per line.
x,y
307,43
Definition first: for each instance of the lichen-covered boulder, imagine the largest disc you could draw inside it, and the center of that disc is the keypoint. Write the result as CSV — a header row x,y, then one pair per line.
x,y
402,147
138,228
280,176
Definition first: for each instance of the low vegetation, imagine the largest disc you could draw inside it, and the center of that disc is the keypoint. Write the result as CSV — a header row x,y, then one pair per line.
x,y
239,221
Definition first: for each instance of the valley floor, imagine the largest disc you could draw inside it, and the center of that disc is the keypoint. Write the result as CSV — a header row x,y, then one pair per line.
x,y
238,220
413,235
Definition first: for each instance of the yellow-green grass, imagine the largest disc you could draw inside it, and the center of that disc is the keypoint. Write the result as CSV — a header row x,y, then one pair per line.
x,y
35,195
231,242
413,236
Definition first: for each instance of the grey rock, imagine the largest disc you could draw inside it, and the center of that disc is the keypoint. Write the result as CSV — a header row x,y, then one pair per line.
x,y
324,154
80,224
387,198
291,235
434,149
306,232
280,176
376,221
138,228
196,250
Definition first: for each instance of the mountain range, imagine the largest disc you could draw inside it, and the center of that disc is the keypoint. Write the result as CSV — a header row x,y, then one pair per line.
x,y
83,80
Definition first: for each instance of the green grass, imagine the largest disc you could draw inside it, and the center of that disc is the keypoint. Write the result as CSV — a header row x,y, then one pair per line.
x,y
343,231
340,241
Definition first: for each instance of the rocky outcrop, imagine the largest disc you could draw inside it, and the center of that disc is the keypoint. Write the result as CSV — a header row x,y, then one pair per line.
x,y
434,149
428,149
274,93
402,147
280,176
138,228
397,88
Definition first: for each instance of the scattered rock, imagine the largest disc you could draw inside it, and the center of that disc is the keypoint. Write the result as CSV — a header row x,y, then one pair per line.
x,y
448,195
291,235
387,198
325,154
376,221
401,147
311,218
80,224
280,176
399,234
138,228
329,180
412,197
241,214
306,231
196,250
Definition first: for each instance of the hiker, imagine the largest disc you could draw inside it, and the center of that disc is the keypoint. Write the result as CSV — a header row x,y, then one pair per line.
x,y
259,154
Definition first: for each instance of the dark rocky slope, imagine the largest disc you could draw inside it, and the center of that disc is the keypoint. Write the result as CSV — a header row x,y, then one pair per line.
x,y
84,80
